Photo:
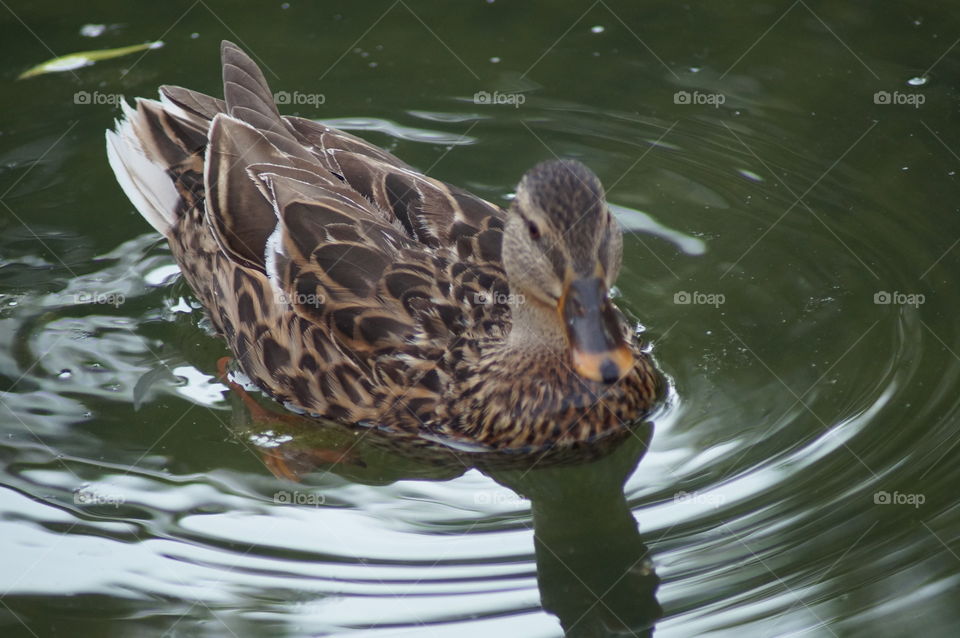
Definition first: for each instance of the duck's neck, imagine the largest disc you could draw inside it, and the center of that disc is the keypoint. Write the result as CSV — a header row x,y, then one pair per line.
x,y
535,329
525,391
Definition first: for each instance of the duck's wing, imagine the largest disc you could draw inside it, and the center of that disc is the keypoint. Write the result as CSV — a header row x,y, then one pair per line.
x,y
391,301
340,276
395,266
431,212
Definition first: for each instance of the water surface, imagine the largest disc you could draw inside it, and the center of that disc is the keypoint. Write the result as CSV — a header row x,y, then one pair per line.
x,y
787,173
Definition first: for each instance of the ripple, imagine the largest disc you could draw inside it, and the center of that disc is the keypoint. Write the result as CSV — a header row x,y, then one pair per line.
x,y
756,506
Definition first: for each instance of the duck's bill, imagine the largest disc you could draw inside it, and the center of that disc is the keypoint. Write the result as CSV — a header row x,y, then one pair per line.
x,y
597,348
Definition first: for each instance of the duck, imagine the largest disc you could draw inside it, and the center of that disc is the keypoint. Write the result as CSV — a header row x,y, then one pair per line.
x,y
351,287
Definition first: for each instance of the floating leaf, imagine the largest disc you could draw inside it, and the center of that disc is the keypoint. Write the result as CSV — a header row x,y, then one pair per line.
x,y
73,61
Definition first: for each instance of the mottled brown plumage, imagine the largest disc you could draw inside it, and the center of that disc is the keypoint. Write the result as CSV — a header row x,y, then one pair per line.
x,y
352,287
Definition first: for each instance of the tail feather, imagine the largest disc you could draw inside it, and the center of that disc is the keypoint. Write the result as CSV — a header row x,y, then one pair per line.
x,y
155,150
142,176
248,98
158,149
193,102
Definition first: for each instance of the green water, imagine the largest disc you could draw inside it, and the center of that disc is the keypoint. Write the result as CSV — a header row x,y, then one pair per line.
x,y
789,169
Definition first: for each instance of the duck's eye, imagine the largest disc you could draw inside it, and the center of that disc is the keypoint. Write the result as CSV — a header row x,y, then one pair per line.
x,y
534,230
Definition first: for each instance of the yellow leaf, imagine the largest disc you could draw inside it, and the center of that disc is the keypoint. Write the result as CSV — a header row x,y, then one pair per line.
x,y
73,61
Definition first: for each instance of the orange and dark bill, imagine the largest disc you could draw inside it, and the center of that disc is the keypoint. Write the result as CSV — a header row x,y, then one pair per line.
x,y
597,348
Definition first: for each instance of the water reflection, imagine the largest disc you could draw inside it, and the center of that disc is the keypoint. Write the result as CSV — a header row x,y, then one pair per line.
x,y
593,569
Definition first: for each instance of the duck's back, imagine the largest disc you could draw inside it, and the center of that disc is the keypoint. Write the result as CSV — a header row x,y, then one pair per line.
x,y
346,283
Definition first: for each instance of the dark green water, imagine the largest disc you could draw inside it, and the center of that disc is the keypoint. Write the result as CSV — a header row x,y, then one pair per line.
x,y
802,479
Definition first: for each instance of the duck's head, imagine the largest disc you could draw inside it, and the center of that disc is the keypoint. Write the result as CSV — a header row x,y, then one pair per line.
x,y
561,251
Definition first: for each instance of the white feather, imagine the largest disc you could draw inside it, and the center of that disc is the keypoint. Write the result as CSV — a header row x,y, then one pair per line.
x,y
273,248
144,181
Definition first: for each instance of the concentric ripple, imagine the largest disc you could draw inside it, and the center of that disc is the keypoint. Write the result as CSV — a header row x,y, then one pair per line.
x,y
806,329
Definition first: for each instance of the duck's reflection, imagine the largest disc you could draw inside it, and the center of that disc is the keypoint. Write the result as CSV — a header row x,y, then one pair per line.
x,y
593,568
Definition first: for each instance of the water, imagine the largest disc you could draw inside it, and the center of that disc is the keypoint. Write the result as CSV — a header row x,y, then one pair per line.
x,y
787,171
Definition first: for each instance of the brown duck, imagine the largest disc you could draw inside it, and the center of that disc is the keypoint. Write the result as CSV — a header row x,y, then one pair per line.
x,y
352,287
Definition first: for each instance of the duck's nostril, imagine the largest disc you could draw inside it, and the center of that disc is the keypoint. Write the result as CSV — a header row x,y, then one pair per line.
x,y
609,371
